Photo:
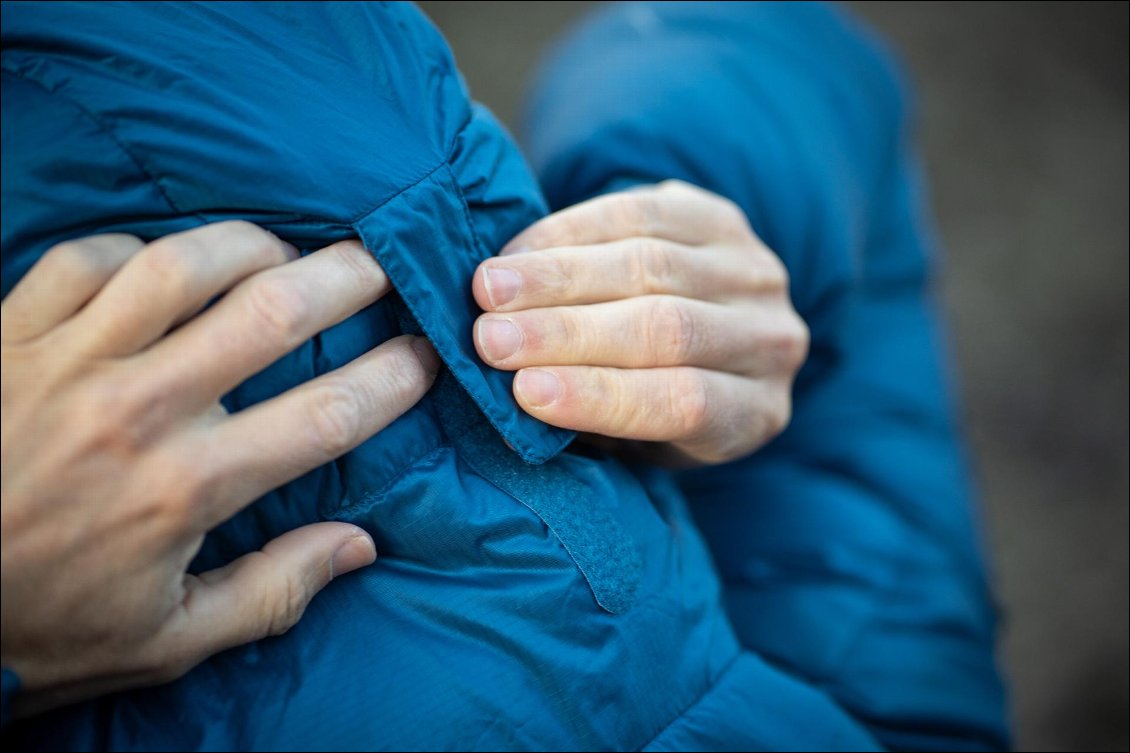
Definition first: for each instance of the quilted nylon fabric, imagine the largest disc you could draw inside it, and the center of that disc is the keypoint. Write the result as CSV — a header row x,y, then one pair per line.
x,y
529,594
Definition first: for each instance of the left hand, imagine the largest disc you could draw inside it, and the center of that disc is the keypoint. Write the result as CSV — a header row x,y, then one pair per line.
x,y
655,314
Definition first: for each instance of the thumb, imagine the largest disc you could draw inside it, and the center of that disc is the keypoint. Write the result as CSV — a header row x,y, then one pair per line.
x,y
266,592
260,594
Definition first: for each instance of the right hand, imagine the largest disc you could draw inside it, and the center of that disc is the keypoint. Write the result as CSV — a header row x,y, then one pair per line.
x,y
117,457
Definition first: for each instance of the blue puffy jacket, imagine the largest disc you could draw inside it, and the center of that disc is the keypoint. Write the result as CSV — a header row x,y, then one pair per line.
x,y
824,593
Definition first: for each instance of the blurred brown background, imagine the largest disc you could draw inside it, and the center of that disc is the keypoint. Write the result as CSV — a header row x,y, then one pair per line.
x,y
1024,126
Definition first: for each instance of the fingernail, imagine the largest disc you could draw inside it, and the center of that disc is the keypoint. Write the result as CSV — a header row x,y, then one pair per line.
x,y
499,338
502,284
519,249
538,387
291,252
355,553
427,354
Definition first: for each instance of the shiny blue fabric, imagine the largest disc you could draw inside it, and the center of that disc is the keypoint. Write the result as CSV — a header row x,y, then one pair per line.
x,y
825,593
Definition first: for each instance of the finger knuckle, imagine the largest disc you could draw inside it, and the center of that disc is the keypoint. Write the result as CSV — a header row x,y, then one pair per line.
x,y
730,214
773,270
358,261
288,606
404,377
335,417
644,213
558,229
563,332
242,230
673,185
764,270
556,277
238,226
172,493
105,397
550,335
191,486
278,308
670,332
605,388
261,245
627,210
778,415
75,260
786,343
120,414
689,402
168,262
68,252
800,342
109,426
654,266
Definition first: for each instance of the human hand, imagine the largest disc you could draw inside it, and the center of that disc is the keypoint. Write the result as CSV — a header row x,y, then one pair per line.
x,y
654,314
117,456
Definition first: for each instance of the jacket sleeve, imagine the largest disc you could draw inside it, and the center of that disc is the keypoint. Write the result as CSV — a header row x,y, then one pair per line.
x,y
849,546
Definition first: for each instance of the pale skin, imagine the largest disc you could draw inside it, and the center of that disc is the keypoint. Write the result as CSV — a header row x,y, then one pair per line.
x,y
118,458
664,321
655,316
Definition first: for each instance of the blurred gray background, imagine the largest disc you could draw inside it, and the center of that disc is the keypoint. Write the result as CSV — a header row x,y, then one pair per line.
x,y
1024,127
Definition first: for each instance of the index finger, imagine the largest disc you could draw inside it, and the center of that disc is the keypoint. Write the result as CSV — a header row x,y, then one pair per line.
x,y
275,441
62,282
671,210
265,317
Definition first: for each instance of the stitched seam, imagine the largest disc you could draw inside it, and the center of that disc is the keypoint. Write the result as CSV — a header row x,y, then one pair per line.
x,y
370,498
469,221
106,129
397,194
151,177
449,152
487,406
